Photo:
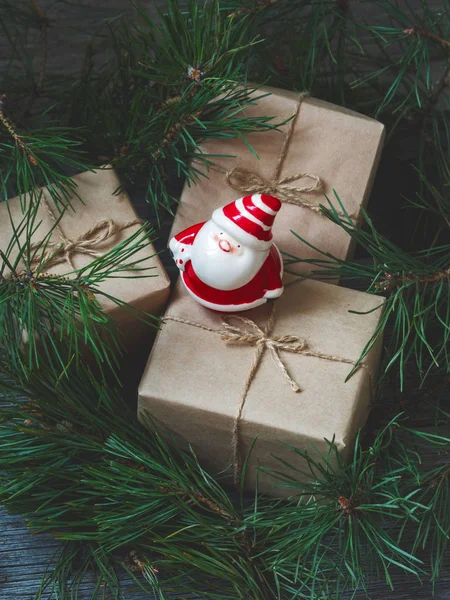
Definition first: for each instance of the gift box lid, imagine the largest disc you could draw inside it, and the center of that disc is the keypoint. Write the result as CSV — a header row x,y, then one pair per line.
x,y
96,200
201,400
337,146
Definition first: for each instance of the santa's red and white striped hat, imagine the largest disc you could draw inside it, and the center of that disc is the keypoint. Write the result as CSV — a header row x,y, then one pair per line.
x,y
249,220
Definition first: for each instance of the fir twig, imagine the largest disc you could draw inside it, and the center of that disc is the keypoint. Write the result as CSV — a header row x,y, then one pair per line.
x,y
179,84
38,158
119,488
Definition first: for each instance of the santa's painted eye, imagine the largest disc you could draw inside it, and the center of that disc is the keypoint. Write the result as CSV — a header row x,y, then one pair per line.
x,y
239,245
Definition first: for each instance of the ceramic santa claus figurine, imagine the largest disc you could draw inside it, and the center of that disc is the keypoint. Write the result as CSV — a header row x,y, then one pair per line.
x,y
229,263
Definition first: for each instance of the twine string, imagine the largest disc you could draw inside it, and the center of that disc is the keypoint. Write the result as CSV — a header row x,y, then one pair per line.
x,y
59,252
248,333
288,136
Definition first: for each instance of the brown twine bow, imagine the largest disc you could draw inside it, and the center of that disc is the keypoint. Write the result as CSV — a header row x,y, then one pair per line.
x,y
250,334
56,253
246,182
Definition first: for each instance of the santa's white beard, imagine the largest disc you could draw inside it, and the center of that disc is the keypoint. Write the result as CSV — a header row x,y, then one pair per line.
x,y
224,270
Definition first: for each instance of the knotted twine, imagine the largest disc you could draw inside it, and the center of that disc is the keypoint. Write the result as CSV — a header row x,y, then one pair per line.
x,y
59,252
248,333
245,181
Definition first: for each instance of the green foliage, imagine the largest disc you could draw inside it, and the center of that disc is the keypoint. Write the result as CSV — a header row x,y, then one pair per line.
x,y
315,55
73,459
164,88
55,316
389,60
34,149
417,305
39,157
346,521
91,472
76,463
167,86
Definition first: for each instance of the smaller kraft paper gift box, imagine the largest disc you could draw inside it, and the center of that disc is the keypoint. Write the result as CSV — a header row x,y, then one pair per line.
x,y
98,223
319,148
275,373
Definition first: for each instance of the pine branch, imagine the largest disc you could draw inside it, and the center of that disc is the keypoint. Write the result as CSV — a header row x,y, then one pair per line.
x,y
43,157
48,315
430,488
174,133
416,285
179,85
121,489
348,516
417,31
8,125
111,449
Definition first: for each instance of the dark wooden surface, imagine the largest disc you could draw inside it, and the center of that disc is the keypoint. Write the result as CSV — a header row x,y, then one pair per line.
x,y
24,558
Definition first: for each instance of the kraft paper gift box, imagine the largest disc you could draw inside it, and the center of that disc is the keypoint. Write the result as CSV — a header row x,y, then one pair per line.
x,y
337,145
99,203
200,402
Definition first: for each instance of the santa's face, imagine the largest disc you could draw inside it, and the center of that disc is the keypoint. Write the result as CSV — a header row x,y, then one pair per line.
x,y
221,261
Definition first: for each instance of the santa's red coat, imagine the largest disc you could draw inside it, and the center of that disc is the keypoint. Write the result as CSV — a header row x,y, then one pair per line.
x,y
267,279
